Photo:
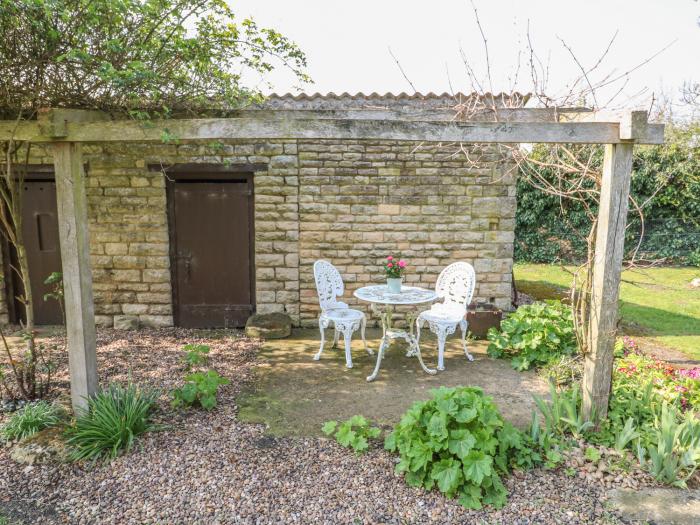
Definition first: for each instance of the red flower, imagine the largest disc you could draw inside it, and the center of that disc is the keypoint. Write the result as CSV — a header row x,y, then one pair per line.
x,y
389,265
390,258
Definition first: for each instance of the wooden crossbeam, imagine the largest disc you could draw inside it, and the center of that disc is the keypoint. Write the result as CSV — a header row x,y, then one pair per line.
x,y
331,128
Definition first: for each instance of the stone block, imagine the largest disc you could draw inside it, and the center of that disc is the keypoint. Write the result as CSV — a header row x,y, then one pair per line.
x,y
156,321
126,322
135,309
269,149
269,326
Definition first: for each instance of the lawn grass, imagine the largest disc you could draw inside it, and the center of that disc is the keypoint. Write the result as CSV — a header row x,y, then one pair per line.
x,y
658,303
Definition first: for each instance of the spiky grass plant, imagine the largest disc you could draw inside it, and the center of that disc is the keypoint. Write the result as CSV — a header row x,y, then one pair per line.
x,y
114,418
31,419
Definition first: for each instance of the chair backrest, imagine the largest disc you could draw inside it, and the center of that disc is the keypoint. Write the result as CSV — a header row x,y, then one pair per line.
x,y
456,284
329,284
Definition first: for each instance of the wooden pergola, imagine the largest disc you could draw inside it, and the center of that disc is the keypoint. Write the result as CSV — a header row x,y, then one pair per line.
x,y
66,130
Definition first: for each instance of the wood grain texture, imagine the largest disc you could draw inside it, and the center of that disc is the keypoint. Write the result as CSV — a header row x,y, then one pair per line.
x,y
289,127
77,274
607,268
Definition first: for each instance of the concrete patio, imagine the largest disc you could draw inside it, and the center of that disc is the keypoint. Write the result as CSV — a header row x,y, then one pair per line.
x,y
295,395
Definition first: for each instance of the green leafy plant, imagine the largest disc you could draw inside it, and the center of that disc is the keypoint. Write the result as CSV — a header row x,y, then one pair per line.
x,y
592,454
458,442
200,389
113,419
31,419
625,435
563,414
675,453
563,370
546,445
196,355
354,433
636,401
55,280
534,335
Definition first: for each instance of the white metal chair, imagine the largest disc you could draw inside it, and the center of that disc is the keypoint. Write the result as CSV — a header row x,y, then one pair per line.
x,y
329,285
455,285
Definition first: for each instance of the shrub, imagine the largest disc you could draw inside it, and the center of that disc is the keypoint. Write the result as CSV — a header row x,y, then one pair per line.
x,y
354,433
666,178
458,442
199,389
31,419
534,335
113,419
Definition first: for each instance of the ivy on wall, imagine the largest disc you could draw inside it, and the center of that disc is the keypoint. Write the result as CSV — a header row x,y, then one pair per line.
x,y
551,229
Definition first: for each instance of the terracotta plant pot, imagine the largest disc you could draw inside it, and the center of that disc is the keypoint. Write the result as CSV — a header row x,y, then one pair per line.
x,y
481,317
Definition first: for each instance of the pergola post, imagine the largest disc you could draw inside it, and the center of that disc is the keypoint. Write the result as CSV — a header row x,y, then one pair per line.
x,y
607,269
77,273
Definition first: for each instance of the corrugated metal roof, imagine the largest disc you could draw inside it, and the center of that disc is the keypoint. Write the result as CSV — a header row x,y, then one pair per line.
x,y
361,100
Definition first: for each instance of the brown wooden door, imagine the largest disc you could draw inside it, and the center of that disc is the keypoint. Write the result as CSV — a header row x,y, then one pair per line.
x,y
211,236
40,230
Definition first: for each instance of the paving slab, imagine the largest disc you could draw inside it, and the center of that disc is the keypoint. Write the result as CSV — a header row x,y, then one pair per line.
x,y
659,506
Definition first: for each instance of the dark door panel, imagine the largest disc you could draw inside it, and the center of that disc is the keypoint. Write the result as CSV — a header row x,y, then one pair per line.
x,y
40,232
211,223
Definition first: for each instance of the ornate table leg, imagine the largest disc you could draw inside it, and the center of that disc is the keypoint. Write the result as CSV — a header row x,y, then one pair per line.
x,y
385,316
427,370
411,316
380,354
414,350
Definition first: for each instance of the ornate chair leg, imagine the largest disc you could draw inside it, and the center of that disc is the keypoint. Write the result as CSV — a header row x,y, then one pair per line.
x,y
363,325
322,325
419,322
347,335
335,337
441,337
463,325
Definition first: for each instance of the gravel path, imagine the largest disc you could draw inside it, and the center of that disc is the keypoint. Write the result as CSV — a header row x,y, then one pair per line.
x,y
208,468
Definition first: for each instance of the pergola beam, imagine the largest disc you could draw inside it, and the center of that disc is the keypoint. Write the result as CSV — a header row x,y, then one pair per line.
x,y
341,129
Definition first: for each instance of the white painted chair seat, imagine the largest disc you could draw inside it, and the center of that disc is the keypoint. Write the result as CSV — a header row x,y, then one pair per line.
x,y
345,320
439,313
455,285
346,314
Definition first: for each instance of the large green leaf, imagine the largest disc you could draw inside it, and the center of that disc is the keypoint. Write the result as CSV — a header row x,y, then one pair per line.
x,y
448,475
476,466
437,425
461,445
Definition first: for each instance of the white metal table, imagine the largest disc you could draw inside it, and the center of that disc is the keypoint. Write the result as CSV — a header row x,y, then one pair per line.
x,y
383,302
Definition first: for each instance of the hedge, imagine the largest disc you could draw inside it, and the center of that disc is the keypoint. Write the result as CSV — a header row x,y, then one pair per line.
x,y
552,230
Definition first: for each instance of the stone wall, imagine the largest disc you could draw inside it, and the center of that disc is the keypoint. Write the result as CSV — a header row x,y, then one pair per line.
x,y
361,201
351,202
128,225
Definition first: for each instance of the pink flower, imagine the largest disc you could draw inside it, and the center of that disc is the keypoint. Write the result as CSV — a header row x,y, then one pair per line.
x,y
389,265
390,258
402,264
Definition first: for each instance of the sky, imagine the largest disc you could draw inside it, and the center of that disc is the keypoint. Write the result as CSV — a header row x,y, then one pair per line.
x,y
348,43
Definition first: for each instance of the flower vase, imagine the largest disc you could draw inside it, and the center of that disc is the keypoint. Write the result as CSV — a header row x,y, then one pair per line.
x,y
394,284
